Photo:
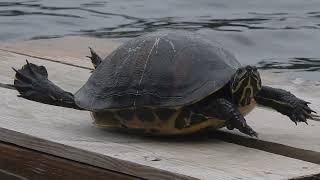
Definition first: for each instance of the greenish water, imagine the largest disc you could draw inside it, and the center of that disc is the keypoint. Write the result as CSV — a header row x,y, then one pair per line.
x,y
282,36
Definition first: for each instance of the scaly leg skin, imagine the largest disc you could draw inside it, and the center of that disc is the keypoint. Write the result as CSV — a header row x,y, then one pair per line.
x,y
285,103
32,83
225,110
95,58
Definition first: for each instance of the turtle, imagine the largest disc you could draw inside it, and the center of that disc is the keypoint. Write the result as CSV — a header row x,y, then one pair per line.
x,y
166,83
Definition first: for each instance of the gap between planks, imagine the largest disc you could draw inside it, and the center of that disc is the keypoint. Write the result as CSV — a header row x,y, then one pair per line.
x,y
46,59
276,148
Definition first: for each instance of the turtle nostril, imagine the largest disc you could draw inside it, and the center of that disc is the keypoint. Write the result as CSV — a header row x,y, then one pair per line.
x,y
249,69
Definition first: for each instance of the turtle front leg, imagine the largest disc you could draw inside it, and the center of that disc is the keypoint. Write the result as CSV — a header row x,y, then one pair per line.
x,y
32,83
285,103
225,110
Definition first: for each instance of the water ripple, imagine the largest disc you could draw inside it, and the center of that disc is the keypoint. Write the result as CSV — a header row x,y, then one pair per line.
x,y
288,28
24,13
297,64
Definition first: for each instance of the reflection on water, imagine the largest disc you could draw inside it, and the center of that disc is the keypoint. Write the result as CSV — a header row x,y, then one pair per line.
x,y
265,33
141,26
295,64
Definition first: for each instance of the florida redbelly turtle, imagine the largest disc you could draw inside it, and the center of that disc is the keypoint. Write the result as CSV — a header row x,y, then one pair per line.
x,y
166,83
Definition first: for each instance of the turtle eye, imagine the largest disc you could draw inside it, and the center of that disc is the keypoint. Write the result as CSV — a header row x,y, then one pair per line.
x,y
241,72
254,68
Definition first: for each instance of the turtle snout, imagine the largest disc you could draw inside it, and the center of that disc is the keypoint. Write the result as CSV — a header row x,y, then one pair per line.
x,y
250,69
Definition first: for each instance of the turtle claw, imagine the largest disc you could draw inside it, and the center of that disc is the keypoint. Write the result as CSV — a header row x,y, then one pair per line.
x,y
31,81
300,111
249,131
29,66
27,79
21,76
241,124
315,117
308,109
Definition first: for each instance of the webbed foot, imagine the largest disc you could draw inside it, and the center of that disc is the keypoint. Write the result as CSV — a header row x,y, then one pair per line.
x,y
31,81
287,104
28,78
240,123
299,111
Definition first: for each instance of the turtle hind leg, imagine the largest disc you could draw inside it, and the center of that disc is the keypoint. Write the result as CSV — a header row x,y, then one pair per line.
x,y
31,81
95,58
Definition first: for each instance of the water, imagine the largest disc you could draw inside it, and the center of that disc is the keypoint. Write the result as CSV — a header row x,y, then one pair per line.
x,y
282,36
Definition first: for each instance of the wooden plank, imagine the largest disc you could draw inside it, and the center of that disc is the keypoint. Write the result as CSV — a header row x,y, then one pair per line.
x,y
72,49
58,73
69,134
24,163
271,126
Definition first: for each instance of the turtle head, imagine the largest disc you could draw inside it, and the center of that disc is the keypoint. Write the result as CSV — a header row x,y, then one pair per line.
x,y
245,84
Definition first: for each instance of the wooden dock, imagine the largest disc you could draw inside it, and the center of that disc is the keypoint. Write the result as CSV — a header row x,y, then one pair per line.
x,y
39,141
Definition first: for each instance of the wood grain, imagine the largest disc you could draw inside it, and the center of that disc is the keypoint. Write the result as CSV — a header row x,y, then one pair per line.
x,y
71,50
30,164
288,151
69,134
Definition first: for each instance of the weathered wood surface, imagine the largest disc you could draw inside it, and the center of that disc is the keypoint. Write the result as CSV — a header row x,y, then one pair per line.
x,y
72,50
21,163
271,126
70,134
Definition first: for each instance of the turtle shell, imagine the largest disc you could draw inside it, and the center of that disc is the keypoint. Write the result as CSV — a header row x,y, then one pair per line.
x,y
163,69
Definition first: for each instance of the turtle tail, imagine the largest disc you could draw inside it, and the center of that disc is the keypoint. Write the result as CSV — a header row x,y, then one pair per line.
x,y
95,58
32,82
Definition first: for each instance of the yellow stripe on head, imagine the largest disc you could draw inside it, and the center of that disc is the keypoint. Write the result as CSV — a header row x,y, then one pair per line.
x,y
246,83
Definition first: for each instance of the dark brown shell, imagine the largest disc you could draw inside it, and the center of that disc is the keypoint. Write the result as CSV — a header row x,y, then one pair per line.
x,y
163,69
